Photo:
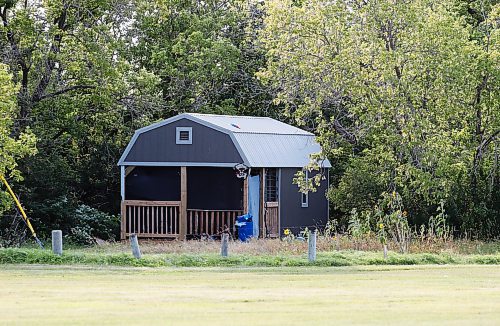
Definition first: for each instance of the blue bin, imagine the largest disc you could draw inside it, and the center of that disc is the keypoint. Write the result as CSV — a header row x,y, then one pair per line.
x,y
245,227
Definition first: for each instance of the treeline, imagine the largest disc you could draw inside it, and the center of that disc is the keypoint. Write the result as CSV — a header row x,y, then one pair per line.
x,y
403,95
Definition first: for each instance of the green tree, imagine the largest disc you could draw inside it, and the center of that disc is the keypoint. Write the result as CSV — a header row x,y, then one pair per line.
x,y
11,149
396,89
78,95
204,54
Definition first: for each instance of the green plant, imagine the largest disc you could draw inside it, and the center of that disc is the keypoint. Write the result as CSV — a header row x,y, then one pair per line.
x,y
90,223
359,226
394,220
438,228
289,236
331,228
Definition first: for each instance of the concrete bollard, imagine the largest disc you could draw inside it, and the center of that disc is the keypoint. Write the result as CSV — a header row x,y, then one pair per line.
x,y
311,241
57,246
224,245
134,243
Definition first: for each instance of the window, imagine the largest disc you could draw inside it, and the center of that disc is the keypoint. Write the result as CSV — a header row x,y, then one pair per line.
x,y
184,135
305,196
271,186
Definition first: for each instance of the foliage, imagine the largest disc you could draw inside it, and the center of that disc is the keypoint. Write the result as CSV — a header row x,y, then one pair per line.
x,y
438,227
359,226
402,94
79,223
90,223
203,54
12,149
78,95
393,220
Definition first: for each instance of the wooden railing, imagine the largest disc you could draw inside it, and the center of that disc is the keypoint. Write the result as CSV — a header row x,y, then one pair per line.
x,y
211,222
271,219
150,219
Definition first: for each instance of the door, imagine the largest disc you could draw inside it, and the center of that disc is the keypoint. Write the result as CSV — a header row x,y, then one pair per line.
x,y
254,201
271,203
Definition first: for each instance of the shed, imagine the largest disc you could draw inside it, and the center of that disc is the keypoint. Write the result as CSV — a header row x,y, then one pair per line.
x,y
193,174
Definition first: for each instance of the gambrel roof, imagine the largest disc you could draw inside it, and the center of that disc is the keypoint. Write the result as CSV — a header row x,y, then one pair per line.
x,y
260,141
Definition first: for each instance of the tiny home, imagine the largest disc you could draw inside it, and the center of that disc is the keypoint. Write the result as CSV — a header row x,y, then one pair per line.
x,y
193,174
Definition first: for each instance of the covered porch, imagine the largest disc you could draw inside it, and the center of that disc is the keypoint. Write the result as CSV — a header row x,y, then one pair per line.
x,y
190,202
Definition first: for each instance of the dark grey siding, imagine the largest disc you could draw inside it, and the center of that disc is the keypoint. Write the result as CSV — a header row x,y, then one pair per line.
x,y
295,217
209,146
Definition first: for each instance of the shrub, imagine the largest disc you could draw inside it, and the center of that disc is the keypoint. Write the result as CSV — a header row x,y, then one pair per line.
x,y
90,223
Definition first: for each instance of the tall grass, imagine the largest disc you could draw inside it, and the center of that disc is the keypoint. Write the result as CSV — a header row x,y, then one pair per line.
x,y
296,247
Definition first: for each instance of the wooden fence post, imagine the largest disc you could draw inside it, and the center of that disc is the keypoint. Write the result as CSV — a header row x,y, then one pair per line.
x,y
134,243
385,251
57,246
224,245
311,241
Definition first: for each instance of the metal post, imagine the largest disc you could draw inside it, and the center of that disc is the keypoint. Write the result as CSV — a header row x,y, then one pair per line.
x,y
136,251
311,241
57,246
224,245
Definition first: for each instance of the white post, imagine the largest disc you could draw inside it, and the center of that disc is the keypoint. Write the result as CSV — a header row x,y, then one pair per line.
x,y
311,241
136,251
57,246
385,251
122,182
224,245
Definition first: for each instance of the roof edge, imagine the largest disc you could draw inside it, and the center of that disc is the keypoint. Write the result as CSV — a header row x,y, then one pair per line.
x,y
201,164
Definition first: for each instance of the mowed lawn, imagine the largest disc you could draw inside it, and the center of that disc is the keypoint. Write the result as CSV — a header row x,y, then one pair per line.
x,y
49,295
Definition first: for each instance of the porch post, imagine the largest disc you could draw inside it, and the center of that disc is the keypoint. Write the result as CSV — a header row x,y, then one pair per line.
x,y
123,224
245,195
183,209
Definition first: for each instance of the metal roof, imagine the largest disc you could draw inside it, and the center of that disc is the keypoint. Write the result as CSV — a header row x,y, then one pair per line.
x,y
272,150
261,141
246,124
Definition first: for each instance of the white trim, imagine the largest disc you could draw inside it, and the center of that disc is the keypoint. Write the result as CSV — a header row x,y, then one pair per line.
x,y
178,139
122,181
128,148
173,119
306,194
210,164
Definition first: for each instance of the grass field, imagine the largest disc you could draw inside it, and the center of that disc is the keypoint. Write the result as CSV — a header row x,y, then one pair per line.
x,y
48,295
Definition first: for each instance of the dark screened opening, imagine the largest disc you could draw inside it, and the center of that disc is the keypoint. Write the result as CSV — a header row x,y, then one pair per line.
x,y
271,193
153,183
214,189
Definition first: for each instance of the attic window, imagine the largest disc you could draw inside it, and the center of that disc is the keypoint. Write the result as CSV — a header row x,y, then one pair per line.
x,y
184,135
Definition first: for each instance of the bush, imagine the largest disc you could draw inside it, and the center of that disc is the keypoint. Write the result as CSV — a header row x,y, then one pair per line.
x,y
80,224
90,223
